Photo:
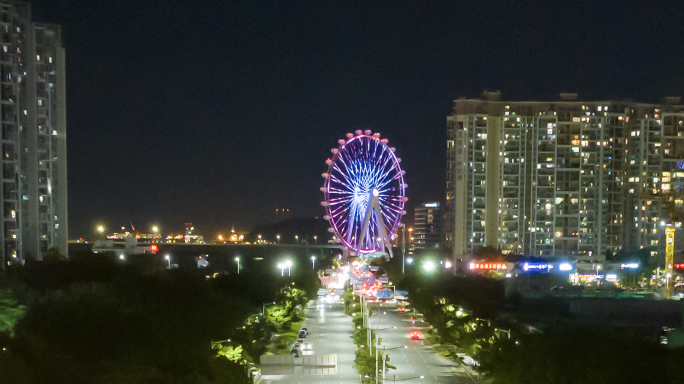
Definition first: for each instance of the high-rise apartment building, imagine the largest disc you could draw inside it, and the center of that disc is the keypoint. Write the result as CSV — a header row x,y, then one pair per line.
x,y
33,110
567,177
428,229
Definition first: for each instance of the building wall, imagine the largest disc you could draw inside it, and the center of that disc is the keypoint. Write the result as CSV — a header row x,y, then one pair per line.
x,y
32,97
428,229
563,178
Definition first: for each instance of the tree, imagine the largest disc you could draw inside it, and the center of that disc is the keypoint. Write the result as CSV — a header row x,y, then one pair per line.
x,y
10,310
579,355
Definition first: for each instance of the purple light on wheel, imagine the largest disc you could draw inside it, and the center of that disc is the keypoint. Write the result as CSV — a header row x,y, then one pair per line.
x,y
361,165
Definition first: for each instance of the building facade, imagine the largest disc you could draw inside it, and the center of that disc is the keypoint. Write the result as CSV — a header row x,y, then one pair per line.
x,y
32,98
567,177
428,228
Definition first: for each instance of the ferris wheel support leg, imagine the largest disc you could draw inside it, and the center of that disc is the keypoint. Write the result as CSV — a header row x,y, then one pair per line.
x,y
374,205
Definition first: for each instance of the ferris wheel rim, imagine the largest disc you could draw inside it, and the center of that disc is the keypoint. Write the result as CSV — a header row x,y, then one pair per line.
x,y
392,208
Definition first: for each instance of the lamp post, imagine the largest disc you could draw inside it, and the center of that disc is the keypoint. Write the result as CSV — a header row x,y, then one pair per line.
x,y
168,261
403,247
384,358
507,331
288,264
263,309
376,350
407,378
237,259
259,241
101,230
297,239
282,268
313,262
277,239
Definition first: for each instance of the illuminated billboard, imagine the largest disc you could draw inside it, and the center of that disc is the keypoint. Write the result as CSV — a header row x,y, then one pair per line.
x,y
535,267
486,266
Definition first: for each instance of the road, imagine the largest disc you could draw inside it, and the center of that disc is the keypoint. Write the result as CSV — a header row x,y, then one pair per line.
x,y
418,359
329,333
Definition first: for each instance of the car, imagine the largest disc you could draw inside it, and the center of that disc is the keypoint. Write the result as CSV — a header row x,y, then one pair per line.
x,y
305,329
400,309
415,335
296,352
302,333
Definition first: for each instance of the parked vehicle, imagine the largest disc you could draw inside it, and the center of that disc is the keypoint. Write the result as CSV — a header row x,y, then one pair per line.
x,y
302,333
305,329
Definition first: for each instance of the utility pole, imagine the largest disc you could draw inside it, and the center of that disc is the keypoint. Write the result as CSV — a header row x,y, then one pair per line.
x,y
403,247
376,357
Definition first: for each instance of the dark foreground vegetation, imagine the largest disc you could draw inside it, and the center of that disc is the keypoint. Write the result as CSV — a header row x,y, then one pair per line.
x,y
97,320
472,317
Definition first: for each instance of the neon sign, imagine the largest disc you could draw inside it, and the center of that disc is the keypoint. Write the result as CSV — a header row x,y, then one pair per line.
x,y
536,266
487,266
629,266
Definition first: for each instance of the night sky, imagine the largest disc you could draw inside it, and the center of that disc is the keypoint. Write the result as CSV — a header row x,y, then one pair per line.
x,y
217,112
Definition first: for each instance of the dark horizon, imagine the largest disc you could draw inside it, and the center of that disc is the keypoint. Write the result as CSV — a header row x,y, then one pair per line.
x,y
218,112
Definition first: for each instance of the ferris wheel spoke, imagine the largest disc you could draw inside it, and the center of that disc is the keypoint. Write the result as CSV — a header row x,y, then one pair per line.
x,y
362,164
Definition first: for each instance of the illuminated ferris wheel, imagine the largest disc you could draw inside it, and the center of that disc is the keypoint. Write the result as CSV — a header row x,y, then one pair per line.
x,y
364,192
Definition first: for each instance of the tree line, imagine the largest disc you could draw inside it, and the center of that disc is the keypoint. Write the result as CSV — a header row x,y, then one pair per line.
x,y
96,319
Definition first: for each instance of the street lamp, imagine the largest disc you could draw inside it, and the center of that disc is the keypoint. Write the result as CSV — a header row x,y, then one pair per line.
x,y
282,268
409,260
168,261
384,358
289,266
101,230
313,262
296,238
259,236
277,239
237,258
376,350
316,239
504,331
429,266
